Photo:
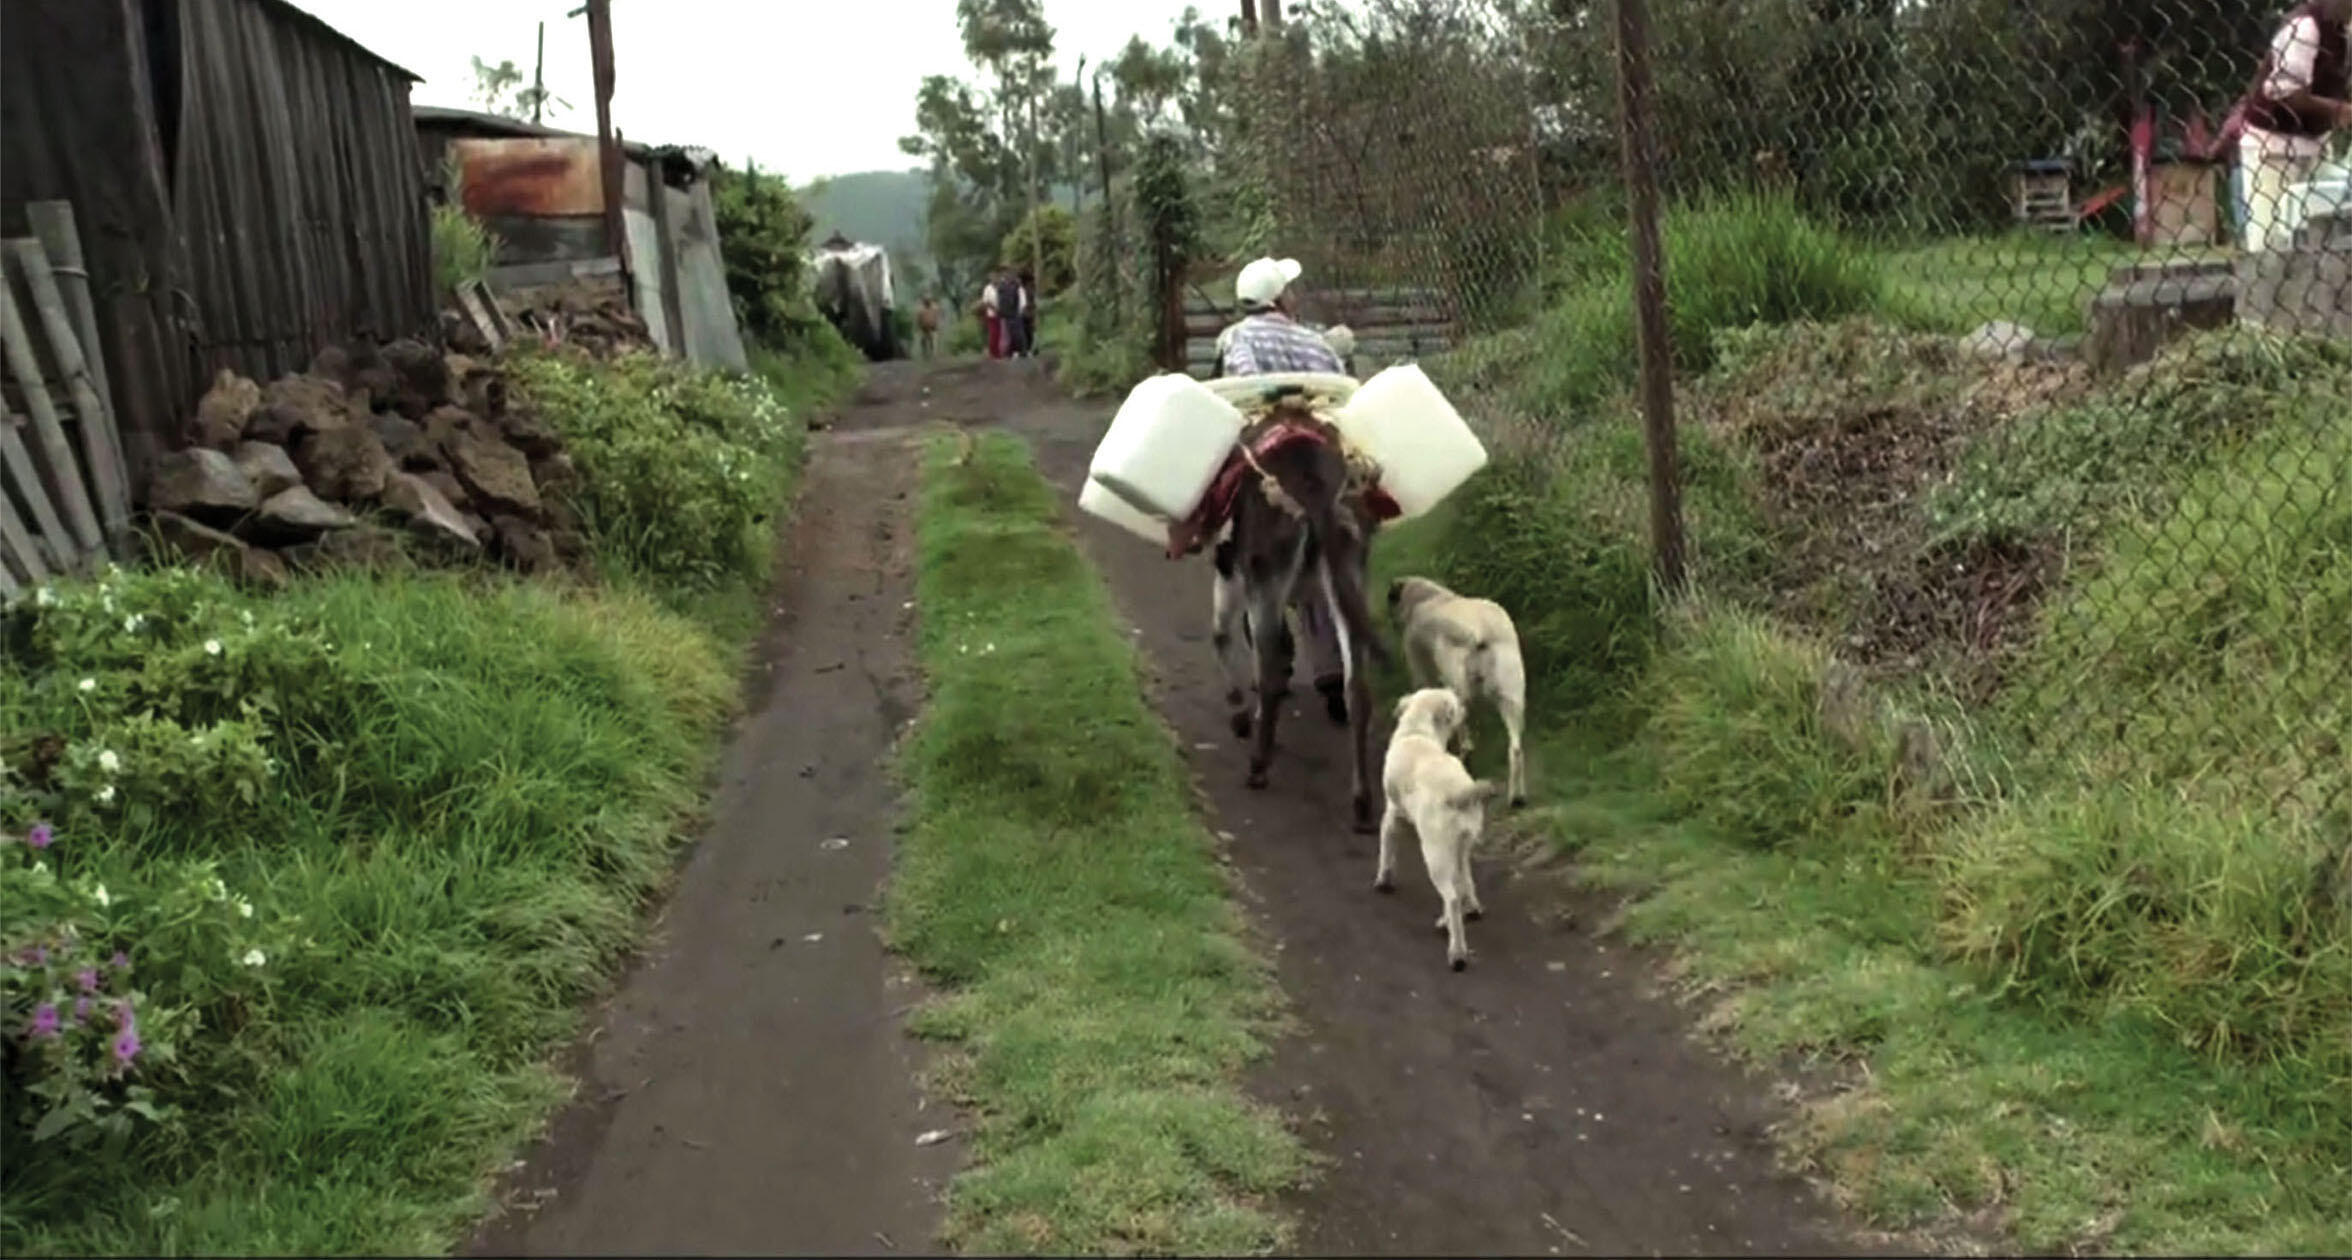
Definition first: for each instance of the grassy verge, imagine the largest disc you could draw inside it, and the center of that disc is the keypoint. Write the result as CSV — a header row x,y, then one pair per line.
x,y
302,889
1998,770
1057,882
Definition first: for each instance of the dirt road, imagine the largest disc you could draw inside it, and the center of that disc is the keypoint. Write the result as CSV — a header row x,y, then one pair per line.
x,y
1542,1102
750,1089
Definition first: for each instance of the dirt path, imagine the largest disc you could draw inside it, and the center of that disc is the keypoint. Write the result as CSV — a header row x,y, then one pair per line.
x,y
1544,1102
750,1089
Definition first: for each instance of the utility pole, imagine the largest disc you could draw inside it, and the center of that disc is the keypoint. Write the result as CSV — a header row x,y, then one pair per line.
x,y
539,77
1116,247
600,59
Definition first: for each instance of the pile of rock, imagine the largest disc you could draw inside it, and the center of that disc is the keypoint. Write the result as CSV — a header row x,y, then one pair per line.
x,y
428,442
595,318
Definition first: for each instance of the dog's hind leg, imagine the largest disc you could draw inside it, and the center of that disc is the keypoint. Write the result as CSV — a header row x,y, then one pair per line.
x,y
1392,825
1440,853
1507,679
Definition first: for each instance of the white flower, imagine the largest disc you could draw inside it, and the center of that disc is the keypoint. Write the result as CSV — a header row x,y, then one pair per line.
x,y
132,623
108,762
249,618
219,891
244,908
106,795
212,647
87,685
45,598
254,958
103,897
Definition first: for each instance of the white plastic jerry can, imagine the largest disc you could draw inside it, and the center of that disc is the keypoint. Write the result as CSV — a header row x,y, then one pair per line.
x,y
1096,501
1423,446
1165,445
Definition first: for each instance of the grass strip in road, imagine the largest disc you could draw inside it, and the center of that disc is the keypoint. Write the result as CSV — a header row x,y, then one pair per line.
x,y
1099,996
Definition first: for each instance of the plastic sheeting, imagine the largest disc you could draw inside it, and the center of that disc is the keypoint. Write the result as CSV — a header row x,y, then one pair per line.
x,y
853,289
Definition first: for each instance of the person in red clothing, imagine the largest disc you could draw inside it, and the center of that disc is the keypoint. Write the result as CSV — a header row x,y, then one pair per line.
x,y
991,318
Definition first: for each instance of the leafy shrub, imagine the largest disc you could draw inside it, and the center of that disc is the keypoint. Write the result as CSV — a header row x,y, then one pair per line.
x,y
458,791
121,1001
678,466
1057,231
766,231
463,248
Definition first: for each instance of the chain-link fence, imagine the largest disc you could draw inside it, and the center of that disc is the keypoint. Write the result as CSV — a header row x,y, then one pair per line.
x,y
2013,358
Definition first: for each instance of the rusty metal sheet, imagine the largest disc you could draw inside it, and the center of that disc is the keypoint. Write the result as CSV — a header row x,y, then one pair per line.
x,y
549,176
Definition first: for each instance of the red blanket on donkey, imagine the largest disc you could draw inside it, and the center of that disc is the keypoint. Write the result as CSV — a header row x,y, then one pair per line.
x,y
1216,506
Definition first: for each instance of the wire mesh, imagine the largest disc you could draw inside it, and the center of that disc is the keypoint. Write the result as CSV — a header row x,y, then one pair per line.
x,y
2012,363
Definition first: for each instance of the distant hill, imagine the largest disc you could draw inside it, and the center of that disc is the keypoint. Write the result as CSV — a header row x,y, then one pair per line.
x,y
881,207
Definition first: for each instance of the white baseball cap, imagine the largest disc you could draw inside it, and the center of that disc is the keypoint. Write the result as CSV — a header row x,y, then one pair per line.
x,y
1264,280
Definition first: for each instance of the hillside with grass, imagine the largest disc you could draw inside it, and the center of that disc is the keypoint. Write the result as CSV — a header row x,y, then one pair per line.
x,y
886,208
1996,763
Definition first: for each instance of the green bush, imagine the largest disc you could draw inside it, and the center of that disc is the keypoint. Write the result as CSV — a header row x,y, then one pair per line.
x,y
1752,735
679,467
1730,262
2223,924
463,249
765,229
363,847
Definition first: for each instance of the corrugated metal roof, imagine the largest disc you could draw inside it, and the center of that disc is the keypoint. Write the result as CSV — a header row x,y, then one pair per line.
x,y
473,122
297,14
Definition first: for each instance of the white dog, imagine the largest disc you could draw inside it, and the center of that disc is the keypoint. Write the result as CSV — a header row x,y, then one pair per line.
x,y
1431,793
1470,646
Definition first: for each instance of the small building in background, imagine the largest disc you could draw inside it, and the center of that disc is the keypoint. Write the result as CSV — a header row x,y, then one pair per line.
x,y
540,190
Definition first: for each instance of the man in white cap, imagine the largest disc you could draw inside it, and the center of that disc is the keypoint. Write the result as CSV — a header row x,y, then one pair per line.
x,y
1269,337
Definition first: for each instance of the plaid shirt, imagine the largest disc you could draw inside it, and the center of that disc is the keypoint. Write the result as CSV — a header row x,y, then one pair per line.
x,y
1271,342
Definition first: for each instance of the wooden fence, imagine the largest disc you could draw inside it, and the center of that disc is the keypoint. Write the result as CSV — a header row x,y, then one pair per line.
x,y
65,499
1392,325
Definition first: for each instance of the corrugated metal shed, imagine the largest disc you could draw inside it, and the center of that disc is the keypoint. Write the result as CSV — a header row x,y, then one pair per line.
x,y
540,190
240,171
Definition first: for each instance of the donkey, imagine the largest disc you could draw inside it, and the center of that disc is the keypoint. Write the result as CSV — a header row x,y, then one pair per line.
x,y
1306,527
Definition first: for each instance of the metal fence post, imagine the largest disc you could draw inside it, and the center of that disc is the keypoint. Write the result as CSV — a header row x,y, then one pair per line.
x,y
1638,151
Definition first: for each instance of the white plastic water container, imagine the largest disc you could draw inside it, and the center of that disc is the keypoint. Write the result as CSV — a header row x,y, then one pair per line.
x,y
1098,502
1165,445
2326,195
1424,448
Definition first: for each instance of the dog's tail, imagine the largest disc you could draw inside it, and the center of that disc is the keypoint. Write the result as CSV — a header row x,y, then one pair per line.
x,y
1476,795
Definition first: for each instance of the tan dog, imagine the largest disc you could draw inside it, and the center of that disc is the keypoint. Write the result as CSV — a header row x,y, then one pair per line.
x,y
1430,793
1470,646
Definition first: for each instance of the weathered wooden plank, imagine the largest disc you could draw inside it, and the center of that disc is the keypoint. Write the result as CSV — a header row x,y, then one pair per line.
x,y
27,476
20,547
47,429
110,481
61,238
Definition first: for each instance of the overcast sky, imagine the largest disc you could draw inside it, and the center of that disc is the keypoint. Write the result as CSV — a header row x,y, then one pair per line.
x,y
806,87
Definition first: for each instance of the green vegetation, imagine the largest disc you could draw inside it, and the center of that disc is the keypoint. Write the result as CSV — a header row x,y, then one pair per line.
x,y
463,249
303,888
1057,881
2086,918
2043,281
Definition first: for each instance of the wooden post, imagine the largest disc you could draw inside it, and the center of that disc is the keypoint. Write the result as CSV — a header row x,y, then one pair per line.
x,y
539,78
600,57
1117,252
1636,97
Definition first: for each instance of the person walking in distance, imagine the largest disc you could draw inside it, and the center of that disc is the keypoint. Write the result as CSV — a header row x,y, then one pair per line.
x,y
1007,292
2298,100
927,325
1028,314
991,318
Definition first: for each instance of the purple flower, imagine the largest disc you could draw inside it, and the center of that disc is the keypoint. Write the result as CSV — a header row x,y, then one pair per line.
x,y
45,1020
40,955
88,979
120,960
124,1016
126,1046
81,1013
40,837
